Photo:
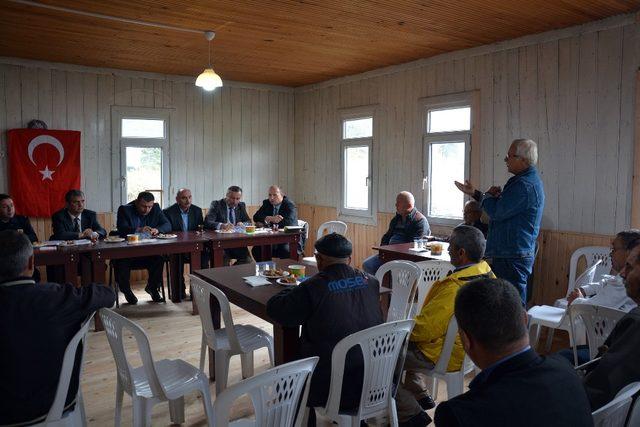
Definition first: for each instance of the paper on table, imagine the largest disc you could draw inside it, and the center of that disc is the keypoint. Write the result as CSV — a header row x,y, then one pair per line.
x,y
256,281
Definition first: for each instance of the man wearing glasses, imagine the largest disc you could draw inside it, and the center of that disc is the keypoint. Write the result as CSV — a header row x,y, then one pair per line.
x,y
515,214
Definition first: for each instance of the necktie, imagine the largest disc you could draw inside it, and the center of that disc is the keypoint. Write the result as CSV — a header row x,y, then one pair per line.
x,y
76,226
275,210
232,216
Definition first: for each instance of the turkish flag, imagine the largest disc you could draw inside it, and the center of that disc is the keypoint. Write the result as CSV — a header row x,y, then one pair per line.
x,y
43,166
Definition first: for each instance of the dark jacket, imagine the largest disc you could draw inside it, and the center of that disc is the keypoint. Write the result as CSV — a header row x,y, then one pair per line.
x,y
219,214
174,215
36,324
129,220
415,226
19,222
330,305
287,210
526,390
63,225
620,365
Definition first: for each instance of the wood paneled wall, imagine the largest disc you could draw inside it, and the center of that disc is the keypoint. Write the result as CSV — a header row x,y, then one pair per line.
x,y
574,95
551,271
234,136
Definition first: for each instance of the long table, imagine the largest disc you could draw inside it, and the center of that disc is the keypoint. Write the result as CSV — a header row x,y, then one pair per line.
x,y
254,300
401,251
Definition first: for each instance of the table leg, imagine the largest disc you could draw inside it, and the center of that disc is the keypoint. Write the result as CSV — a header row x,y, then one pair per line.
x,y
217,257
285,343
86,266
71,269
293,248
215,317
175,280
195,265
98,269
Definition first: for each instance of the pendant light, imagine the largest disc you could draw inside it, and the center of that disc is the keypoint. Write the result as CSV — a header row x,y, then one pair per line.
x,y
208,79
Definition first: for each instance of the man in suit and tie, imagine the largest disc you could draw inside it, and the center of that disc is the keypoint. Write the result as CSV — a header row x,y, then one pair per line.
x,y
142,216
185,216
74,221
276,211
516,387
224,215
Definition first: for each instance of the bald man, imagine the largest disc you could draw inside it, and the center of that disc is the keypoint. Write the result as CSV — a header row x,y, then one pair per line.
x,y
408,224
277,210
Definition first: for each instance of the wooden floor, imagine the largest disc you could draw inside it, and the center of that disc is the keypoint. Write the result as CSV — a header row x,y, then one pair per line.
x,y
174,333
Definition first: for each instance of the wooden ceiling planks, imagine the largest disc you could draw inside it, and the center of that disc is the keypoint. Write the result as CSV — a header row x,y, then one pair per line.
x,y
289,43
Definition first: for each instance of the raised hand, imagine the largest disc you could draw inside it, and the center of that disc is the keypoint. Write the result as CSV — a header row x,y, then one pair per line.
x,y
466,188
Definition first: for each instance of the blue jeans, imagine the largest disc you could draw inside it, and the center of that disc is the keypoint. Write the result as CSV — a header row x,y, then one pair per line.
x,y
514,270
583,354
372,264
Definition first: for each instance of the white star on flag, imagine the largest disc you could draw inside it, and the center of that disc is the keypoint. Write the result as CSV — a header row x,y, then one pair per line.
x,y
47,174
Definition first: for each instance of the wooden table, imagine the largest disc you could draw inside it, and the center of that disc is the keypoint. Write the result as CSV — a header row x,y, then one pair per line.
x,y
187,242
68,256
254,300
222,241
401,251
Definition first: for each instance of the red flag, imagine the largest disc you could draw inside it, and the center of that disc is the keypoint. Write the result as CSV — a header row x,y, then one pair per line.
x,y
43,166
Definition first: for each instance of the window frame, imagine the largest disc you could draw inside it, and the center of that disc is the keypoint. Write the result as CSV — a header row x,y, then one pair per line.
x,y
120,144
465,99
368,216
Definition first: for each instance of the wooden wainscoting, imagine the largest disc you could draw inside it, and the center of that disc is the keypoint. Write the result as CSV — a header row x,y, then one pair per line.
x,y
551,272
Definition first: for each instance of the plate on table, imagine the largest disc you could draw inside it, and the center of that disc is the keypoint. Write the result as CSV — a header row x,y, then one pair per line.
x,y
166,236
114,239
284,282
274,274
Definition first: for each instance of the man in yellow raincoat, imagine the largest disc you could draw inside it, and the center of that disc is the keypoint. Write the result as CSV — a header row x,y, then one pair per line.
x,y
466,248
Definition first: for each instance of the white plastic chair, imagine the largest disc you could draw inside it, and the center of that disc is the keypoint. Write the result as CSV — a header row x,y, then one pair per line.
x,y
230,340
634,416
404,284
453,379
592,255
431,272
614,413
381,346
57,417
279,396
153,382
330,227
598,321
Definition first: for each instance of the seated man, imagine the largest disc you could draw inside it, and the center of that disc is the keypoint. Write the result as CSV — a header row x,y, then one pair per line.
x,y
225,214
276,211
10,221
185,216
328,312
36,324
471,216
516,386
74,221
408,224
141,216
466,248
621,351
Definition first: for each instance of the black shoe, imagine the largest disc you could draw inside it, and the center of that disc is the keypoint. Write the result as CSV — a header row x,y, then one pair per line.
x,y
130,297
419,420
155,295
427,403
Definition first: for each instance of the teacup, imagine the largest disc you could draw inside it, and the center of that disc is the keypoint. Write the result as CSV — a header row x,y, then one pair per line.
x,y
250,229
297,270
436,248
133,238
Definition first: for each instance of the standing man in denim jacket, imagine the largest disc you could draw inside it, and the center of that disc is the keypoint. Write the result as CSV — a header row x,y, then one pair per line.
x,y
515,214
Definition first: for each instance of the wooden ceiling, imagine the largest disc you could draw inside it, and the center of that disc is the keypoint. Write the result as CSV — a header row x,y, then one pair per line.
x,y
289,43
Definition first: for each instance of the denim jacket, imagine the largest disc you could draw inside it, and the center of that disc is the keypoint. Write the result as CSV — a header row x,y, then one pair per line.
x,y
515,216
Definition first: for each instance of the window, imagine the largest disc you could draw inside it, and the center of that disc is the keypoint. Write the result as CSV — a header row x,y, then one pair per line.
x,y
447,145
357,128
142,137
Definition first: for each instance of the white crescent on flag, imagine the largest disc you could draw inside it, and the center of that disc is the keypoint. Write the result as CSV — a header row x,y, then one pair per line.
x,y
46,139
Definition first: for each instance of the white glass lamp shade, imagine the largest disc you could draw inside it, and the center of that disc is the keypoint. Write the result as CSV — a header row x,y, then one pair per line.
x,y
209,80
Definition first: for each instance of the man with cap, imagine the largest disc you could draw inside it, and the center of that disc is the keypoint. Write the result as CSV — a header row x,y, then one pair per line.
x,y
338,301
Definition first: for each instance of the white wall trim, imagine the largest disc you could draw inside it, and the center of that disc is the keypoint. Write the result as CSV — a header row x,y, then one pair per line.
x,y
32,63
532,39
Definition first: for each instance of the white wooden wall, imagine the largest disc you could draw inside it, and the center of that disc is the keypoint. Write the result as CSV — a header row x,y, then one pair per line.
x,y
237,135
573,94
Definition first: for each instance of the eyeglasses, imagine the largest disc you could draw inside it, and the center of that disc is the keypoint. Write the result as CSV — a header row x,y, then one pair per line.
x,y
511,156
